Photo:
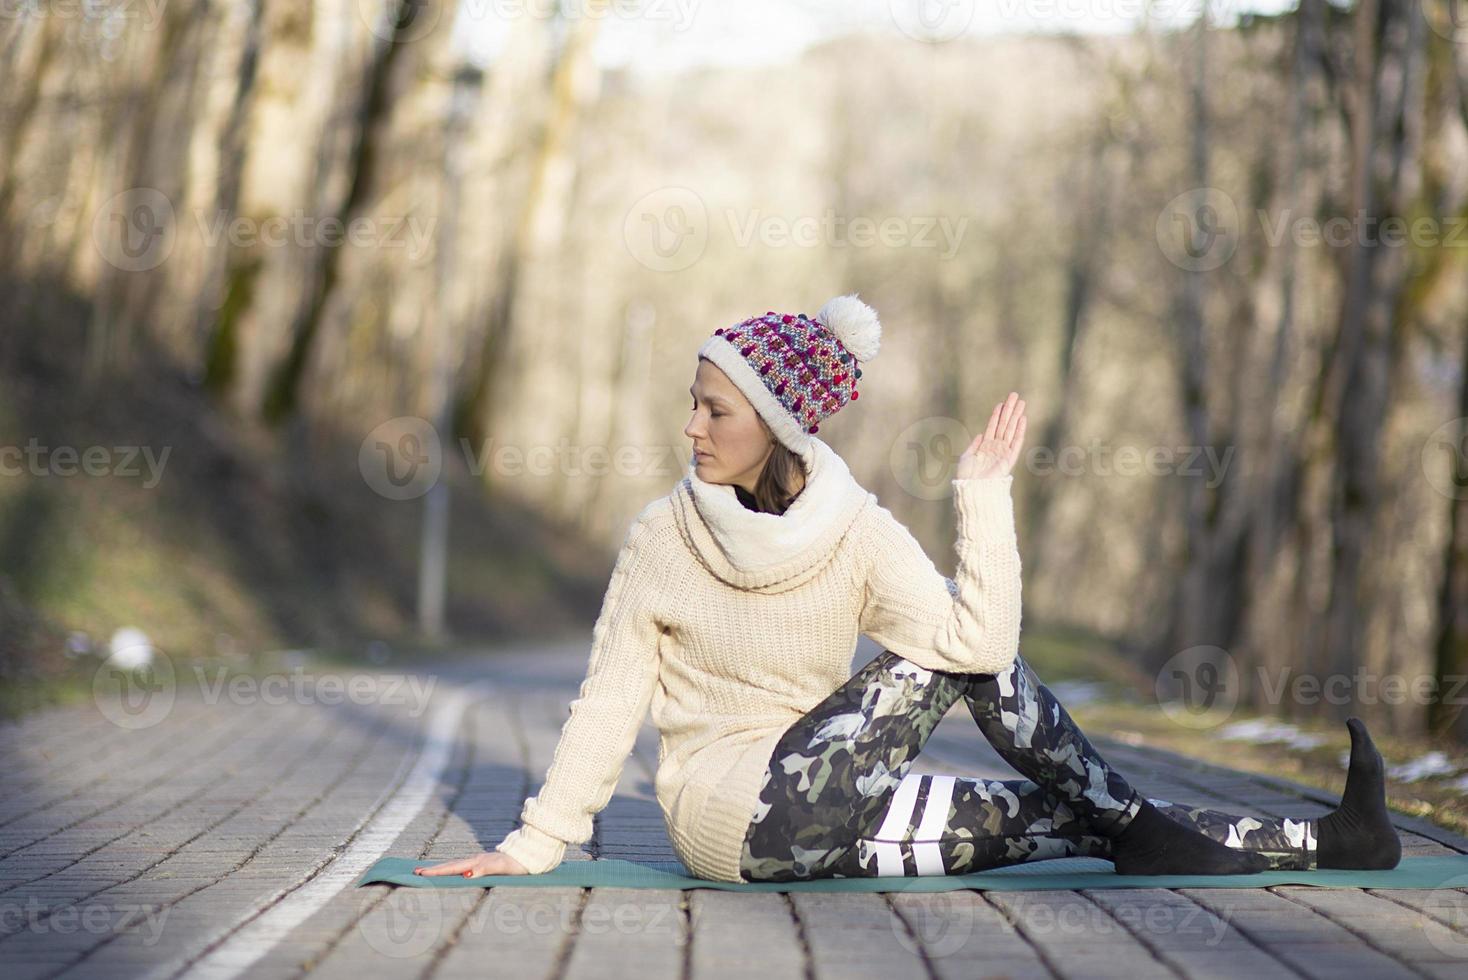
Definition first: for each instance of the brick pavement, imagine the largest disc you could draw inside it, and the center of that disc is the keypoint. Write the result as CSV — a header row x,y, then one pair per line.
x,y
166,845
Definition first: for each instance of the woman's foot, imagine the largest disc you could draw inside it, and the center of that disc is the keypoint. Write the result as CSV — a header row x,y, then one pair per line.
x,y
1359,832
1155,844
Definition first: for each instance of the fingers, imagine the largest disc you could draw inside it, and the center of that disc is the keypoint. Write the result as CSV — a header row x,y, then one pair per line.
x,y
450,868
992,430
1019,438
1016,417
1006,427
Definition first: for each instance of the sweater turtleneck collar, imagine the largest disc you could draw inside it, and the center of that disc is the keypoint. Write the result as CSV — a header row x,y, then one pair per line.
x,y
764,552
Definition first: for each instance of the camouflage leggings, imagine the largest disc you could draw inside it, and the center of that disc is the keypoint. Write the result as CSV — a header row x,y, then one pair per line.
x,y
838,799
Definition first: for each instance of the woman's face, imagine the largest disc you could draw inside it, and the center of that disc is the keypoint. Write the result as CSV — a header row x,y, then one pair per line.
x,y
726,430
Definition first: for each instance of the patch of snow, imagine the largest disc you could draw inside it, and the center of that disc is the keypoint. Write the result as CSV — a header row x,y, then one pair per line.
x,y
130,649
1434,763
1264,730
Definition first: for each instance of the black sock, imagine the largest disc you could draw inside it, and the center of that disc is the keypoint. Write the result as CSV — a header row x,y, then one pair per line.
x,y
1359,832
1155,844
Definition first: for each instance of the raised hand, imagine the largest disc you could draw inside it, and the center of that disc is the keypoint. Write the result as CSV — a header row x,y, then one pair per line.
x,y
994,451
484,863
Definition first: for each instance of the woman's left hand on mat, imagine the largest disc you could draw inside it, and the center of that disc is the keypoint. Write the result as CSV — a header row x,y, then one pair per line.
x,y
484,863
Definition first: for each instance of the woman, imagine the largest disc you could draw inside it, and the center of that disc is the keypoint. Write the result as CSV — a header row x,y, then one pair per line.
x,y
734,609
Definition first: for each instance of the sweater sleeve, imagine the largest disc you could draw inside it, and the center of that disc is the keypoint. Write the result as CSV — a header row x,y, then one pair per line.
x,y
967,624
605,716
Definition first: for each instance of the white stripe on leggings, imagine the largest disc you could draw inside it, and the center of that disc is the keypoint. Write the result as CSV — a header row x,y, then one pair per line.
x,y
889,859
926,852
899,811
935,811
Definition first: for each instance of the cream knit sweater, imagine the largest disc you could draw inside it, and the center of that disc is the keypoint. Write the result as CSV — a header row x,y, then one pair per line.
x,y
730,624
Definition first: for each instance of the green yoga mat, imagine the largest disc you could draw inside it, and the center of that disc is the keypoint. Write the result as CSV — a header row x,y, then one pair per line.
x,y
1449,871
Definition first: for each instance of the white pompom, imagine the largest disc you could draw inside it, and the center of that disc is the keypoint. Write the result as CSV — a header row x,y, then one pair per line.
x,y
855,324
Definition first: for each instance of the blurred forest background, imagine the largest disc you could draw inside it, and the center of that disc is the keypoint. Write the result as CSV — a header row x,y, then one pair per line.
x,y
1109,223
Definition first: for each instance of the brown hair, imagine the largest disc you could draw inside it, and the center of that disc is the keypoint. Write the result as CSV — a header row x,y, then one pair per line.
x,y
781,480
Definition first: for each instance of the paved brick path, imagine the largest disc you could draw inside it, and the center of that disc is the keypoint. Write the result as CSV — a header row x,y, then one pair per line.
x,y
211,836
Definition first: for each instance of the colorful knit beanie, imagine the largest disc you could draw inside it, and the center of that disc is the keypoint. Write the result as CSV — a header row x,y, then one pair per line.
x,y
796,371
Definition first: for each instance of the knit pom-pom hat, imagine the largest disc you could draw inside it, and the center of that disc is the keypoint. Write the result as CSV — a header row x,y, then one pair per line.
x,y
797,371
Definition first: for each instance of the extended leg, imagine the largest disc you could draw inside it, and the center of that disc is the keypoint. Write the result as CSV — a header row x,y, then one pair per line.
x,y
1034,733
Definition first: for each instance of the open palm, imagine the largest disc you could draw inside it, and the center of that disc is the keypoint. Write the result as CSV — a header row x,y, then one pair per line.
x,y
994,451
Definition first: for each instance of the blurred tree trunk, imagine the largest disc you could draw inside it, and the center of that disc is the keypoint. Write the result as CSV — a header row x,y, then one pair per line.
x,y
225,286
541,228
143,150
351,155
1386,138
1190,624
1097,178
1450,654
28,46
1274,499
